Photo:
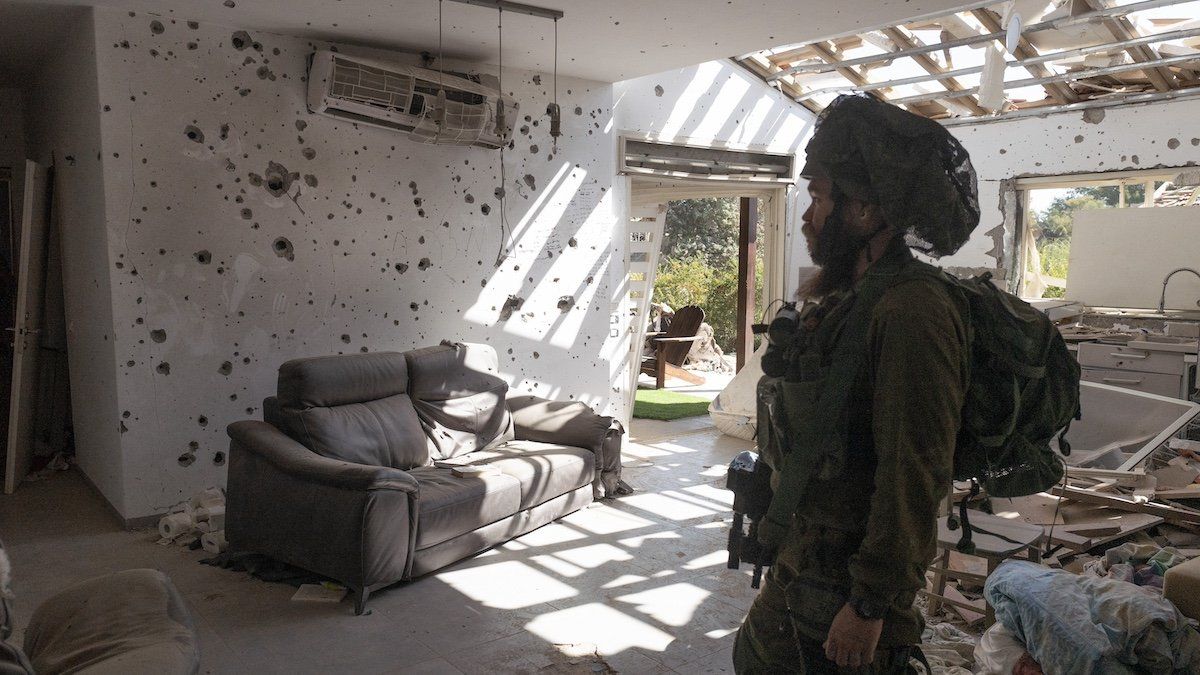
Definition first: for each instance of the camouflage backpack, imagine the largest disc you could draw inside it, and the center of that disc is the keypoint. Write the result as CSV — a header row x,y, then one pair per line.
x,y
1023,391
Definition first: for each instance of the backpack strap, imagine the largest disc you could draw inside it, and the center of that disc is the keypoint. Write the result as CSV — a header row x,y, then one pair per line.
x,y
814,440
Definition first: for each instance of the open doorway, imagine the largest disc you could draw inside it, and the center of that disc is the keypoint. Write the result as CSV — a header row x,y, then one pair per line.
x,y
37,437
712,250
710,260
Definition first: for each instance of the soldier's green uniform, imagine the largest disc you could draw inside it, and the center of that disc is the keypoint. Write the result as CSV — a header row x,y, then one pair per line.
x,y
864,524
870,531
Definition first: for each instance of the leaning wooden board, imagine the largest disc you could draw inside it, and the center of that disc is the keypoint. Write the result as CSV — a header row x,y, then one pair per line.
x,y
1079,526
1169,513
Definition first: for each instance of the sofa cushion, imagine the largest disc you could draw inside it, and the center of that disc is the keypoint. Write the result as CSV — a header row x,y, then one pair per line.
x,y
544,470
354,408
340,379
450,506
459,397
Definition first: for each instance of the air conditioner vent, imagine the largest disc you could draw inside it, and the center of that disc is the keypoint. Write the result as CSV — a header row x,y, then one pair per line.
x,y
355,81
431,106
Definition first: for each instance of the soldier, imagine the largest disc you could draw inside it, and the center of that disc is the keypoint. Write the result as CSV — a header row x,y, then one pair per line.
x,y
850,559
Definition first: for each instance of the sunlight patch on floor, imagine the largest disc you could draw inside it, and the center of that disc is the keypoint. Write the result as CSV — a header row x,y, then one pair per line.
x,y
604,520
507,585
668,505
612,631
672,605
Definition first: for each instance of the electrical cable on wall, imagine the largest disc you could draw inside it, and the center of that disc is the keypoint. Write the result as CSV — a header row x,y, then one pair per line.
x,y
500,123
554,111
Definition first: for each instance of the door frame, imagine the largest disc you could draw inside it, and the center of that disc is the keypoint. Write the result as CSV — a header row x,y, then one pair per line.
x,y
648,197
36,220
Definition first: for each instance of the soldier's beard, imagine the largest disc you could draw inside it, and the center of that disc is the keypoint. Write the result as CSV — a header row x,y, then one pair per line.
x,y
836,250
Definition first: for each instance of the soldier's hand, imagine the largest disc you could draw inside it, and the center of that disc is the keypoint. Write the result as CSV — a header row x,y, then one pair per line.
x,y
852,640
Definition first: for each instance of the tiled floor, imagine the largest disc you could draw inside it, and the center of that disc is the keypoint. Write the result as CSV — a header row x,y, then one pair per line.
x,y
638,585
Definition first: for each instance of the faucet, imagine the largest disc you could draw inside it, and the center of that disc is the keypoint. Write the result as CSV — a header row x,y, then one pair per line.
x,y
1162,300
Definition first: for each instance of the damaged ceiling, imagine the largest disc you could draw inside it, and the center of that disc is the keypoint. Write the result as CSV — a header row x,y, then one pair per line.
x,y
606,41
1007,59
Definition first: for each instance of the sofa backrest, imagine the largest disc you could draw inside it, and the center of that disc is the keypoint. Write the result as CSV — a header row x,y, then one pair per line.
x,y
355,408
459,397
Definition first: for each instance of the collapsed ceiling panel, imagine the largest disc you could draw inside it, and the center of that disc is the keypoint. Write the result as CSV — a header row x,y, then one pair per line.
x,y
1004,59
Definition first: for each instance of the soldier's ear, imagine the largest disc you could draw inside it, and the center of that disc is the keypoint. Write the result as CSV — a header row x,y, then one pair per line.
x,y
870,215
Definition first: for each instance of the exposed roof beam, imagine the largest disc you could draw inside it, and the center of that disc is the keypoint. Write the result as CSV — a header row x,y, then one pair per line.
x,y
1065,77
822,50
1024,63
1127,99
1121,29
904,42
1057,91
1091,17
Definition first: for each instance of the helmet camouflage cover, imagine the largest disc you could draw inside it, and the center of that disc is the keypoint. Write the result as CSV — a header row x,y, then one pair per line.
x,y
911,166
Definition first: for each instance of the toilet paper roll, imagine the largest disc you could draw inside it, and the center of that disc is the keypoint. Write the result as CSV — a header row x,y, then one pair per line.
x,y
209,512
208,499
213,542
216,522
174,525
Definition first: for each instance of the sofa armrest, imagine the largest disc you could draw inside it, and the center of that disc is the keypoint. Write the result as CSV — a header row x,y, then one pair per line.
x,y
562,422
292,458
350,522
573,423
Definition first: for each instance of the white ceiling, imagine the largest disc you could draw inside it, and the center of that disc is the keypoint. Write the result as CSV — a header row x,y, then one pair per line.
x,y
605,40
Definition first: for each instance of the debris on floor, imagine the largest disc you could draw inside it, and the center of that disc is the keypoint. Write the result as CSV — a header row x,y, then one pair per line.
x,y
264,568
949,649
60,461
197,523
1072,623
323,592
1111,540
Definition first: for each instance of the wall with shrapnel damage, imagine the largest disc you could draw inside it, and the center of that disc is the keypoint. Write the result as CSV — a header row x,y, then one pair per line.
x,y
721,103
244,231
1115,139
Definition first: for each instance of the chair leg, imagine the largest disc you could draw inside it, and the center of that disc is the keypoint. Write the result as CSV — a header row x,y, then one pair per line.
x,y
660,369
360,600
939,583
989,613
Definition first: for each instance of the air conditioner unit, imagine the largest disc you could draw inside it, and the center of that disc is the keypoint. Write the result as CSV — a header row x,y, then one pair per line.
x,y
432,107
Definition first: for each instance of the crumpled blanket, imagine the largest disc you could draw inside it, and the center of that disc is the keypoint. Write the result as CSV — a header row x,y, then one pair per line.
x,y
949,650
1142,564
1080,624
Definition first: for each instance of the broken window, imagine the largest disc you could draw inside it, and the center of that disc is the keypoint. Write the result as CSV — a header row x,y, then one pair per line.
x,y
1051,204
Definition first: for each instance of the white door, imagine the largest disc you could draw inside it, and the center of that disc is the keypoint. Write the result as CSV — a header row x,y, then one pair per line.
x,y
646,223
31,280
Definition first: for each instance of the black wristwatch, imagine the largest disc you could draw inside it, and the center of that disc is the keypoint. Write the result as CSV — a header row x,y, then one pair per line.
x,y
868,610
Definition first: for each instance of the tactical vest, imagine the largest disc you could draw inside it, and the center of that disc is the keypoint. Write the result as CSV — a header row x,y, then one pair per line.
x,y
803,416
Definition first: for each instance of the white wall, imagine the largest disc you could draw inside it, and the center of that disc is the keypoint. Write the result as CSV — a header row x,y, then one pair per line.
x,y
392,246
63,124
1132,137
191,306
12,145
720,103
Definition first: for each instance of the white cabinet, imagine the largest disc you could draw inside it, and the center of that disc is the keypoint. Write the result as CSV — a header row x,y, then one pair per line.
x,y
1152,371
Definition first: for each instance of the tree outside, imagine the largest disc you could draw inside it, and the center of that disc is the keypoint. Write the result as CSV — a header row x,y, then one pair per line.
x,y
698,264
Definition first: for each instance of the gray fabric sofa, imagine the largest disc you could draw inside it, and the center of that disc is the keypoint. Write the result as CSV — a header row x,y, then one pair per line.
x,y
123,623
339,478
